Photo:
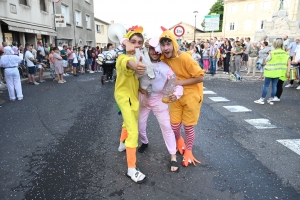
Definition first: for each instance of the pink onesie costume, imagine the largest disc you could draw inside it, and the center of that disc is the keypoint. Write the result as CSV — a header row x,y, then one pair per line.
x,y
162,73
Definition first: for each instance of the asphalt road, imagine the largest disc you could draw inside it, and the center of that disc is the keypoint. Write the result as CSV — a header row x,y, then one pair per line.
x,y
61,142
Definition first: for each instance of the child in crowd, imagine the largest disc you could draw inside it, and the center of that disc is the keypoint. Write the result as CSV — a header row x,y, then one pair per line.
x,y
82,63
75,62
40,65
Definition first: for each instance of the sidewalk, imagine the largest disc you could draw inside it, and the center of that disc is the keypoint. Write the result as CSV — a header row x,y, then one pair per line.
x,y
46,75
219,74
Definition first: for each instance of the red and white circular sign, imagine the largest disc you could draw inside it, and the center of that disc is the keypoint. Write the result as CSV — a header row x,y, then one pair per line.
x,y
179,31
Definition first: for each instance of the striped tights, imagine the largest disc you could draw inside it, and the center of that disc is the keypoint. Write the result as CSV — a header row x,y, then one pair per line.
x,y
189,134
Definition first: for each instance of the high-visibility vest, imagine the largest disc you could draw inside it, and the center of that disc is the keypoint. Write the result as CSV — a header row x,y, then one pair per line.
x,y
277,66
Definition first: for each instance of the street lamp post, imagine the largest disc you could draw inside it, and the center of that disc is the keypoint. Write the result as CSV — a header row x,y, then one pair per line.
x,y
195,12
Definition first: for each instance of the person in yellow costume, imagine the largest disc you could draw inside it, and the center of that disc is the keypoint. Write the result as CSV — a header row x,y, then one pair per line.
x,y
126,96
185,110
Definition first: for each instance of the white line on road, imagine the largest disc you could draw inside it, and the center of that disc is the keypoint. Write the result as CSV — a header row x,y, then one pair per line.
x,y
237,108
208,92
218,99
292,144
260,123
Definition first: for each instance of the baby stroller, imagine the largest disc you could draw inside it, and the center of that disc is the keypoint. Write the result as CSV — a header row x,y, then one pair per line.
x,y
22,69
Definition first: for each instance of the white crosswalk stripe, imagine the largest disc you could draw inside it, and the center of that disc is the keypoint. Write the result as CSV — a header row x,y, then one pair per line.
x,y
237,108
218,99
260,123
292,144
208,92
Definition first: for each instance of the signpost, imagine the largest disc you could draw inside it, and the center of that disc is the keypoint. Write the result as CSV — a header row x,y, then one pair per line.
x,y
211,22
179,31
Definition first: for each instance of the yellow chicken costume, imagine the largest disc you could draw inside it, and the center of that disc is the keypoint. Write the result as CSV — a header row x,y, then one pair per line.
x,y
185,110
126,96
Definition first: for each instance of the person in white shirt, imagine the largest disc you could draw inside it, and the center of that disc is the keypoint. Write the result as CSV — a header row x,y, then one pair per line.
x,y
296,61
75,62
109,64
29,58
60,47
82,63
10,63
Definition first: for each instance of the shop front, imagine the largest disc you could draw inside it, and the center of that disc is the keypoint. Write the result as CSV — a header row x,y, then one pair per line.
x,y
25,33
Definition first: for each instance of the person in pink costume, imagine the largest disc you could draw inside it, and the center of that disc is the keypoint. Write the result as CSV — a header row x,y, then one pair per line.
x,y
153,101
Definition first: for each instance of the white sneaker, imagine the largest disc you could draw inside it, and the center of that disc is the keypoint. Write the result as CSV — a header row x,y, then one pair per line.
x,y
298,88
289,85
275,99
260,101
64,75
35,83
91,72
121,147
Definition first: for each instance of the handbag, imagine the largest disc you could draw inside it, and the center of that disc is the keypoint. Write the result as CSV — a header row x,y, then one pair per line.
x,y
224,55
264,62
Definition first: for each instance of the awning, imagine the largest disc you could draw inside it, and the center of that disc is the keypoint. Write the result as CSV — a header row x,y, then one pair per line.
x,y
26,28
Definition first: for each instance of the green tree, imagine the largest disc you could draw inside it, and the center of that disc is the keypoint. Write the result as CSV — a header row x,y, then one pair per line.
x,y
217,8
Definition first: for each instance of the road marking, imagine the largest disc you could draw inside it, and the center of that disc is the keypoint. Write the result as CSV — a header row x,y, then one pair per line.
x,y
218,99
237,108
208,92
260,123
292,144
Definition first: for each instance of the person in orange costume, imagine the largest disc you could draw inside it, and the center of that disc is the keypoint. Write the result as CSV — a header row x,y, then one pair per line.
x,y
185,110
126,96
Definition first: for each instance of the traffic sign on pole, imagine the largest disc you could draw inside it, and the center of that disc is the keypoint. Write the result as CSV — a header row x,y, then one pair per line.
x,y
179,31
211,22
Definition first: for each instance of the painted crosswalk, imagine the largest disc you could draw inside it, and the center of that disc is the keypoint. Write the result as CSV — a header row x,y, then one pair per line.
x,y
260,123
218,99
208,92
292,144
237,108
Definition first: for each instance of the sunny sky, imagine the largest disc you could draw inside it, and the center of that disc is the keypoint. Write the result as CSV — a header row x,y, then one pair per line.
x,y
152,15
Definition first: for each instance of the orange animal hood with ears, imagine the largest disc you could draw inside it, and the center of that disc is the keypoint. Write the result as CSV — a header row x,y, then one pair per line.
x,y
168,34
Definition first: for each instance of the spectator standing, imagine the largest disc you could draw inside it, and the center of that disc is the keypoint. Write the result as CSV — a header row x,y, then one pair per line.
x,y
227,53
237,52
262,55
58,64
40,65
276,67
10,63
286,42
292,47
70,58
15,48
75,62
30,59
213,51
206,57
253,54
52,68
64,56
60,46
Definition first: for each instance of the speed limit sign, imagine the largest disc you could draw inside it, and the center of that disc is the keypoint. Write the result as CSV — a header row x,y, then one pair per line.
x,y
179,31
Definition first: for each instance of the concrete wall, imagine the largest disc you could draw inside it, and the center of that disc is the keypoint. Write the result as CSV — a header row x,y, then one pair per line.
x,y
74,33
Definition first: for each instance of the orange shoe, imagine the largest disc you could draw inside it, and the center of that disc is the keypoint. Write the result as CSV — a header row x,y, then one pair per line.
x,y
188,158
180,145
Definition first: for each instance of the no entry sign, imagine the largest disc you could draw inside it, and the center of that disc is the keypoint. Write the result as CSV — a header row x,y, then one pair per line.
x,y
179,31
